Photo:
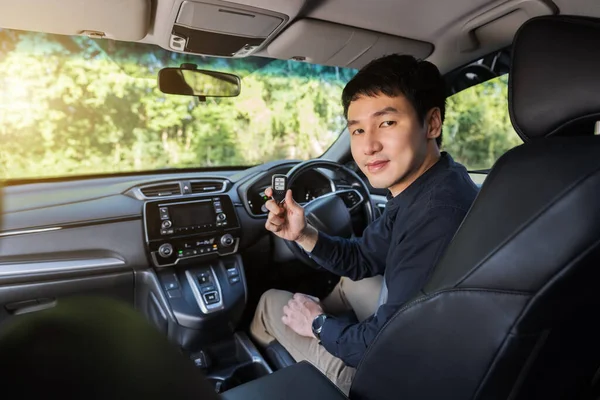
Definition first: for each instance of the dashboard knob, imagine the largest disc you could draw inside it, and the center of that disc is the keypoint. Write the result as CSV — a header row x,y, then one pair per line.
x,y
166,224
165,250
221,217
227,240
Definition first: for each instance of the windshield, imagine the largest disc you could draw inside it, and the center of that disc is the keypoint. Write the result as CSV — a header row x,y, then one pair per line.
x,y
77,106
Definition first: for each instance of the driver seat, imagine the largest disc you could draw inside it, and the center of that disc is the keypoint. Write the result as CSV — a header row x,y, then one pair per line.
x,y
510,310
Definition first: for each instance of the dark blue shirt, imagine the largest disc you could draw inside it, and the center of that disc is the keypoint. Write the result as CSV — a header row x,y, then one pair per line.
x,y
403,244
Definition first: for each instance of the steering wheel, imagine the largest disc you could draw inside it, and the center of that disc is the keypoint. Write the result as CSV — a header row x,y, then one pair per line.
x,y
331,213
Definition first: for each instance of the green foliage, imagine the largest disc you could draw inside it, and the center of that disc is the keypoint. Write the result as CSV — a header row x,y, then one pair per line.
x,y
477,128
73,106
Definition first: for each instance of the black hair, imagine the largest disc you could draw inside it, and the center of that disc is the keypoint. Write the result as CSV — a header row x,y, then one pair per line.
x,y
394,75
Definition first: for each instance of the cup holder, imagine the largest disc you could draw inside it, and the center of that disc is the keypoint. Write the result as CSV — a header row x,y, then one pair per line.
x,y
238,376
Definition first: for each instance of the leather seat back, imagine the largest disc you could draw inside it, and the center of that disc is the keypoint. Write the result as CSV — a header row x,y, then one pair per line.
x,y
510,311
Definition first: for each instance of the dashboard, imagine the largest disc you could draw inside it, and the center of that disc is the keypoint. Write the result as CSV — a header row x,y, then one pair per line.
x,y
104,218
172,243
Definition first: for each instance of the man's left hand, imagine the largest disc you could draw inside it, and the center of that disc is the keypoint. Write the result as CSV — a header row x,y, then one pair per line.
x,y
300,312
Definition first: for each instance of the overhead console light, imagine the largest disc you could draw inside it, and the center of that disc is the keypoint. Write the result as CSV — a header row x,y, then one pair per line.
x,y
216,29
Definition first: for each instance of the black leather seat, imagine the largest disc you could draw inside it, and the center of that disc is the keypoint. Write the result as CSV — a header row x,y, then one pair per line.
x,y
510,311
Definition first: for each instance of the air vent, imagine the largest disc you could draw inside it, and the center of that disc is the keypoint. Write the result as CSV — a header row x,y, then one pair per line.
x,y
207,186
163,190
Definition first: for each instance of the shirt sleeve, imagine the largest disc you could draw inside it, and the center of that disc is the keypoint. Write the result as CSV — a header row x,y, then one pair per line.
x,y
414,258
355,258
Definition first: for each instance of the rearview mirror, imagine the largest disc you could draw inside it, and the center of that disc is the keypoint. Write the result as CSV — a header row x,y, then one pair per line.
x,y
189,81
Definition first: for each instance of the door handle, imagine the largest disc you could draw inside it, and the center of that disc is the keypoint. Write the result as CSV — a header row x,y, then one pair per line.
x,y
28,306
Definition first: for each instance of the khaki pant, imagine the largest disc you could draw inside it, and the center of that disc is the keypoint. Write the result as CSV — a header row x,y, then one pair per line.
x,y
360,296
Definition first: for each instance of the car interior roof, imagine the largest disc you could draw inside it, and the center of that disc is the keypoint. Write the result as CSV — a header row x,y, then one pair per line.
x,y
345,33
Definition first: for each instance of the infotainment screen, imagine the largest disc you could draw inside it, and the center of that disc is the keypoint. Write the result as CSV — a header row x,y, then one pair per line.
x,y
192,214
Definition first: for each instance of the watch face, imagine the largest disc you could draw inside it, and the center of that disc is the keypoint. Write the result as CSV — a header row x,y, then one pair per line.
x,y
317,323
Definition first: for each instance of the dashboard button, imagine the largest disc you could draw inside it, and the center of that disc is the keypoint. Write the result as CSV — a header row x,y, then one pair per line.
x,y
166,224
170,281
164,212
211,297
165,250
227,240
207,288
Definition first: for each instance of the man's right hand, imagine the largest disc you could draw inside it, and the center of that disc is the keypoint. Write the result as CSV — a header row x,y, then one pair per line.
x,y
287,220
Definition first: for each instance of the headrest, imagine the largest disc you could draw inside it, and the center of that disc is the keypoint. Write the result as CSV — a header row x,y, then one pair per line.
x,y
554,83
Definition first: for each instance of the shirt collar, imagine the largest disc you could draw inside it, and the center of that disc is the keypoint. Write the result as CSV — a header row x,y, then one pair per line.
x,y
421,184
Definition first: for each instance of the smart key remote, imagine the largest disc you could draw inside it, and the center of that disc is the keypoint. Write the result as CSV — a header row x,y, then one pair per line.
x,y
279,187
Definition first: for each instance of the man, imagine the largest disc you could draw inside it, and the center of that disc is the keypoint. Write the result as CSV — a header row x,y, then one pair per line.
x,y
395,110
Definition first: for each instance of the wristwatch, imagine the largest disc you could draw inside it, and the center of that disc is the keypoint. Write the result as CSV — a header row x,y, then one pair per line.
x,y
317,325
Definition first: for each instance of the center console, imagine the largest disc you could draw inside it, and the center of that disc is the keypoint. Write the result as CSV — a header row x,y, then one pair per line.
x,y
192,244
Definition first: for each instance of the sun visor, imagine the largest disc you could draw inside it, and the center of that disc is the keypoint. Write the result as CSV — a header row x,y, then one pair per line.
x,y
496,27
112,19
332,44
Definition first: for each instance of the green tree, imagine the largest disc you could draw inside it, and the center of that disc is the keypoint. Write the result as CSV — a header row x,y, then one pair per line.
x,y
477,128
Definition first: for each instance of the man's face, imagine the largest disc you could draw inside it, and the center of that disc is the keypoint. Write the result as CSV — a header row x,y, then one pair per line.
x,y
388,141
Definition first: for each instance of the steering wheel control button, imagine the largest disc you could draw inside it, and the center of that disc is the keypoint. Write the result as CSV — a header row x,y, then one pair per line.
x,y
234,279
227,240
164,212
232,271
165,250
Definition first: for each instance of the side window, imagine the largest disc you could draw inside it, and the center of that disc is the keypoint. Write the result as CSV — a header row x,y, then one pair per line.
x,y
477,128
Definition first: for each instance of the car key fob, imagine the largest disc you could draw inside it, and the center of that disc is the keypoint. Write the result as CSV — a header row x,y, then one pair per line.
x,y
279,187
